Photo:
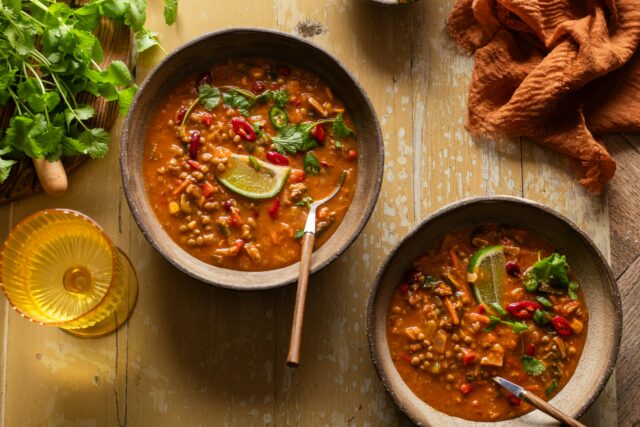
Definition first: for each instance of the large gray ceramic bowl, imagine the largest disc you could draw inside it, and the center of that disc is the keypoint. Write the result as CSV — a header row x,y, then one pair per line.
x,y
591,269
191,59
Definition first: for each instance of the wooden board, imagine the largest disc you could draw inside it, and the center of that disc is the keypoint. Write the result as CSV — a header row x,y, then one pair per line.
x,y
195,355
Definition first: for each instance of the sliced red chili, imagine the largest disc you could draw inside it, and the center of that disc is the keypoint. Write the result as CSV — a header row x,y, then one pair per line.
x,y
468,357
194,144
243,128
561,325
194,164
531,349
480,309
206,119
523,309
235,220
466,388
277,158
273,210
319,133
207,189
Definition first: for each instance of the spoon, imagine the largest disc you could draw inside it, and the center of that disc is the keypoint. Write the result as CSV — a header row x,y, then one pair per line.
x,y
308,237
534,400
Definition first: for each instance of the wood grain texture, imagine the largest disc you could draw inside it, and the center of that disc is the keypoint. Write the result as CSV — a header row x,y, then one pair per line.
x,y
195,355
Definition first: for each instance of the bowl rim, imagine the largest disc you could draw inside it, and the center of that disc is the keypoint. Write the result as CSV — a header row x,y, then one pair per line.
x,y
373,292
136,207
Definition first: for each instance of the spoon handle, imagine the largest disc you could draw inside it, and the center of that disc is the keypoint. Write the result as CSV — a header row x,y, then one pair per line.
x,y
550,410
293,359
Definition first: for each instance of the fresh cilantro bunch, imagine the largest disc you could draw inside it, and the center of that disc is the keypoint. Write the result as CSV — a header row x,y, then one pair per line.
x,y
49,55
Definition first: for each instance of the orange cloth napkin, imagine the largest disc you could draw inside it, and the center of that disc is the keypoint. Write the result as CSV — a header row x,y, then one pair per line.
x,y
560,72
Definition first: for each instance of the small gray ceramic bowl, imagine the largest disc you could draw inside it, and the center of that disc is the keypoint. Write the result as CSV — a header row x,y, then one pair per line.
x,y
194,57
591,269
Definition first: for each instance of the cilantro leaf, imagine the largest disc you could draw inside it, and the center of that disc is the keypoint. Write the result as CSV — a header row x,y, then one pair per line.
x,y
532,366
552,387
5,164
305,202
311,164
340,128
571,290
95,142
544,302
235,99
170,11
552,270
146,39
294,138
125,98
209,96
83,112
136,14
498,308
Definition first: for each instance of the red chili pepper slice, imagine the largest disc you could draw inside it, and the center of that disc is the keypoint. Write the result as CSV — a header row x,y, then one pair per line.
x,y
468,357
194,144
207,189
561,325
523,309
466,388
194,164
235,220
206,119
243,128
480,309
531,349
277,158
319,133
273,211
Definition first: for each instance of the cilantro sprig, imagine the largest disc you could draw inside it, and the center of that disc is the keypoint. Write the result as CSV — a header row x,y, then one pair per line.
x,y
532,366
516,327
49,55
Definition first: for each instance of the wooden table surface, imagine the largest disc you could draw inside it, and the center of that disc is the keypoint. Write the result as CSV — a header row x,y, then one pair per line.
x,y
195,355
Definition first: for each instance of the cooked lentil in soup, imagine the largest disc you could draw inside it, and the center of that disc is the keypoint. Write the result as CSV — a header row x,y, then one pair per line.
x,y
235,156
485,301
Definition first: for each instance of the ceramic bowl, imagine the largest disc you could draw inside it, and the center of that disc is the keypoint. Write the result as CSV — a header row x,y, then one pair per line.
x,y
250,43
590,267
392,2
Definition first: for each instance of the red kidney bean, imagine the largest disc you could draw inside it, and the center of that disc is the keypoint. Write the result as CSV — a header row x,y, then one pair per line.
x,y
512,268
480,309
277,158
319,133
562,326
352,155
205,78
273,210
194,144
284,71
258,87
515,401
404,288
226,205
523,309
180,114
531,349
243,128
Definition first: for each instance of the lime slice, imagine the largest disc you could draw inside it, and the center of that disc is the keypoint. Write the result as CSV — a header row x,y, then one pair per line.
x,y
253,178
487,273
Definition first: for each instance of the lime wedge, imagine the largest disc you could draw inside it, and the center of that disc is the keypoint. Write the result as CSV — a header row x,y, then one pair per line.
x,y
253,178
487,273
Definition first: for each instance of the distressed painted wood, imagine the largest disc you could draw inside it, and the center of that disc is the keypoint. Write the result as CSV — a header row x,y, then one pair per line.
x,y
195,355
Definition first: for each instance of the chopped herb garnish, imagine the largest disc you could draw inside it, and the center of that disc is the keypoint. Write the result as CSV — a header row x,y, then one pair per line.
x,y
235,99
305,202
516,327
544,302
340,128
338,144
571,290
552,270
299,234
540,318
170,11
311,165
209,96
532,366
552,387
498,308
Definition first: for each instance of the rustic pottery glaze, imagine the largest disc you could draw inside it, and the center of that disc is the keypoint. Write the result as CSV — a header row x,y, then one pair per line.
x,y
215,47
590,267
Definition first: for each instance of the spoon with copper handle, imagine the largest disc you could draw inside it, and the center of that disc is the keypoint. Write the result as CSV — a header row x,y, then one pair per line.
x,y
293,359
539,403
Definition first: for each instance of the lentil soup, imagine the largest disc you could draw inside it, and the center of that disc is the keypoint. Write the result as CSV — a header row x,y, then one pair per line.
x,y
447,337
234,157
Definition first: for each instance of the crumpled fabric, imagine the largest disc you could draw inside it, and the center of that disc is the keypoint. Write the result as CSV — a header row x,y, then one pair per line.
x,y
559,72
